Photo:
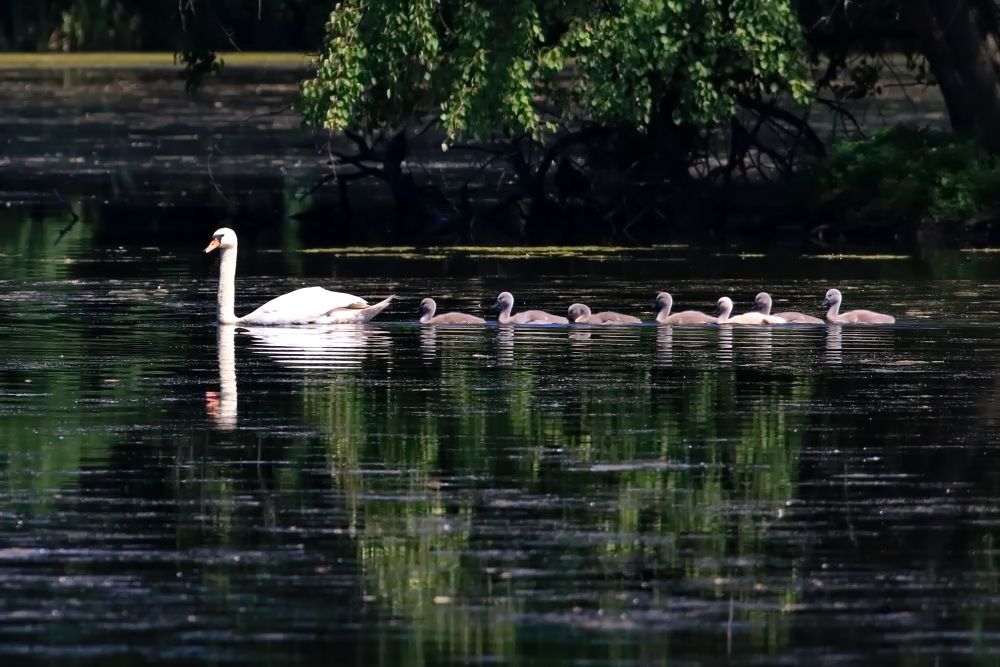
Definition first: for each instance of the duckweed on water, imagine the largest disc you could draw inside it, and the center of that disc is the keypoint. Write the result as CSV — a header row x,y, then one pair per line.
x,y
865,257
485,252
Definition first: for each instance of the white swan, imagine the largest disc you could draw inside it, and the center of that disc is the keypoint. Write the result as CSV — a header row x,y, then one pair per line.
x,y
724,307
309,305
763,303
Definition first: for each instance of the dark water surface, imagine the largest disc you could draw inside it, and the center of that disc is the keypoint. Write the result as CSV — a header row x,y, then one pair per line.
x,y
391,494
395,494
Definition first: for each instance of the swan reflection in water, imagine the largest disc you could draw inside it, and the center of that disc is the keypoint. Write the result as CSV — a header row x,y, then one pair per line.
x,y
221,405
340,347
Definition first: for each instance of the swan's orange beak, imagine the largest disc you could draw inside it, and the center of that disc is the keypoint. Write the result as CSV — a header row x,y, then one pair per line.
x,y
213,245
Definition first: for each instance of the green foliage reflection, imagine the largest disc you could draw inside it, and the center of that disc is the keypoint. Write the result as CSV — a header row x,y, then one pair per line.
x,y
455,479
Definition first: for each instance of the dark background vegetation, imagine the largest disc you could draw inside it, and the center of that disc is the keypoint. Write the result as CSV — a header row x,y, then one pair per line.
x,y
774,169
162,25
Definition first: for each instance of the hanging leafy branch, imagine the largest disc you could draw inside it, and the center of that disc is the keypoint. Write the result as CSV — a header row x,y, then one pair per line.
x,y
485,66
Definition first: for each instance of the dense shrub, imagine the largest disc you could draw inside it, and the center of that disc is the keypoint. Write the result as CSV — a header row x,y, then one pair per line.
x,y
907,175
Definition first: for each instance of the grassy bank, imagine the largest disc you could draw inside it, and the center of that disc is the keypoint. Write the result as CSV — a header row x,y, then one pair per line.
x,y
129,60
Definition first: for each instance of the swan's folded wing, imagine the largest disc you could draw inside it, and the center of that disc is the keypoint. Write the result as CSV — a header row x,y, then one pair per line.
x,y
303,306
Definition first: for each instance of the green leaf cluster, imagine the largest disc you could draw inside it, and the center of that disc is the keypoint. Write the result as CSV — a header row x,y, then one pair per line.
x,y
910,175
488,66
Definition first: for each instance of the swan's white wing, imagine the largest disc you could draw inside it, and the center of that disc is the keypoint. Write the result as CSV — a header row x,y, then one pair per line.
x,y
755,318
303,306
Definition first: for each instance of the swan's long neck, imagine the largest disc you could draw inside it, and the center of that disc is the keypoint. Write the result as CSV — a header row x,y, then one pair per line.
x,y
725,310
665,305
427,313
505,308
227,286
834,312
224,414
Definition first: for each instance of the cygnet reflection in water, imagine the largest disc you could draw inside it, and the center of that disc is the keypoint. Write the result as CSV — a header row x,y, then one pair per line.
x,y
871,344
458,342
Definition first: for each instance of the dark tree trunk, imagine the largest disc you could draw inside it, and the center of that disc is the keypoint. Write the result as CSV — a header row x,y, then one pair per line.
x,y
960,40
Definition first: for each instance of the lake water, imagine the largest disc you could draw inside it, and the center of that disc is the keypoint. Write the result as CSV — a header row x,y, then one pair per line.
x,y
173,492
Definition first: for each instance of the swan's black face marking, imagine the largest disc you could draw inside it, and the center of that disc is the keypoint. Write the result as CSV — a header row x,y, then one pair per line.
x,y
762,303
577,311
223,237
